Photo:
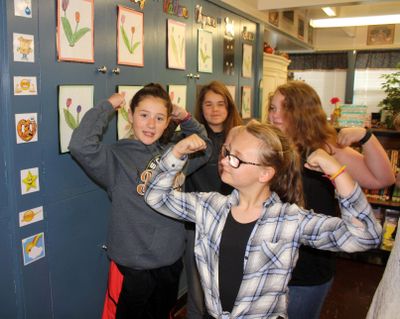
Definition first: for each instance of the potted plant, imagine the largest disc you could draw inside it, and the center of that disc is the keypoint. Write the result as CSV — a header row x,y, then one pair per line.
x,y
391,103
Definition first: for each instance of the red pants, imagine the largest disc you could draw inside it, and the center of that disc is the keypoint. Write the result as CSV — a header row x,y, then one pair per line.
x,y
115,279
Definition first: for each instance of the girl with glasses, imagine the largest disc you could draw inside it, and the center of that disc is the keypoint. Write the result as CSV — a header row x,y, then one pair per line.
x,y
247,242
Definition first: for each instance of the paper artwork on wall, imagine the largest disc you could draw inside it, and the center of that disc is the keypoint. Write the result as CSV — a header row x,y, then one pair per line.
x,y
25,85
205,51
23,8
246,102
33,248
124,127
75,41
130,37
232,91
23,47
26,127
229,56
29,180
247,60
30,216
176,45
177,94
73,102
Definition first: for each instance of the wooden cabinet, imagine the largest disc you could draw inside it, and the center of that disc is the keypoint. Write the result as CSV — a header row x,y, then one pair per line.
x,y
275,69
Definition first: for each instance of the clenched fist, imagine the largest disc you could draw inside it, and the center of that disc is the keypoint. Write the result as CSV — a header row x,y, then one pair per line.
x,y
189,145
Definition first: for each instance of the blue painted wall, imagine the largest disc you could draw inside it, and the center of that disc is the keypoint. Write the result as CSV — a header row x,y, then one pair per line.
x,y
70,281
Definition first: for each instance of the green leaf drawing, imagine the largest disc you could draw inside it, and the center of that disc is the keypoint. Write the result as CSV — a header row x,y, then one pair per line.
x,y
135,46
67,30
174,48
204,57
126,40
124,114
80,33
69,119
182,48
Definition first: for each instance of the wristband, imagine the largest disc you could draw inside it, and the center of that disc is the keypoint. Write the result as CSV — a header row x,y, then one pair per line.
x,y
340,171
366,137
186,118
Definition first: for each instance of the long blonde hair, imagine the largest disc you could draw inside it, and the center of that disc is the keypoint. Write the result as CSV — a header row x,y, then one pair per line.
x,y
307,124
278,152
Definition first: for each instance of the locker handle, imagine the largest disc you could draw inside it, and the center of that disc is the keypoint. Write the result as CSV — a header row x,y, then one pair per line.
x,y
116,70
196,76
190,75
102,69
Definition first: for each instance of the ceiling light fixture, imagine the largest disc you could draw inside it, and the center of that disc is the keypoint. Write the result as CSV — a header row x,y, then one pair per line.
x,y
329,11
355,21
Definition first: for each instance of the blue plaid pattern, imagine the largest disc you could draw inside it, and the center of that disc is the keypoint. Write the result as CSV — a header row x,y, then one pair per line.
x,y
272,250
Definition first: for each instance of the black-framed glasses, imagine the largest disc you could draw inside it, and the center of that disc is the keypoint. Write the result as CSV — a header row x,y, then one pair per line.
x,y
233,160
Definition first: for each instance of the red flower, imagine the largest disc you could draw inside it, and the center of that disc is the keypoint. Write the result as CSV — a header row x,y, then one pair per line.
x,y
335,100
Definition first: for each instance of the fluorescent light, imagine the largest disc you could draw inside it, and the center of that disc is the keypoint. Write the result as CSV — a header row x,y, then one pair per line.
x,y
329,11
355,21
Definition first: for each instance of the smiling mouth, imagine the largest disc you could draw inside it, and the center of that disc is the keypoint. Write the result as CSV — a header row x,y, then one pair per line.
x,y
149,134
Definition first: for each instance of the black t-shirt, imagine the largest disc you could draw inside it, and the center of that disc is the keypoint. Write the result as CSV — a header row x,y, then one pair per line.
x,y
231,258
314,266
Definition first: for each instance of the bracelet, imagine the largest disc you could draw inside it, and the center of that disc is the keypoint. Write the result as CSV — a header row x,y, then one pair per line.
x,y
340,171
366,137
186,118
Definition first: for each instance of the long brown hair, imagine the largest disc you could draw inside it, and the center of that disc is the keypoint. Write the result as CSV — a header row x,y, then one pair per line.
x,y
307,125
278,152
233,119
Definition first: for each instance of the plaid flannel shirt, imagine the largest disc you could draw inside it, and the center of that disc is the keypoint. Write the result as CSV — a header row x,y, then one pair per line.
x,y
272,249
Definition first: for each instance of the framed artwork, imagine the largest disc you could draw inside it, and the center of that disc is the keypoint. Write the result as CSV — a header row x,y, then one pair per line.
x,y
75,40
246,102
176,44
247,60
124,127
300,28
26,127
73,102
229,56
273,18
130,45
33,248
205,51
380,34
289,16
177,93
232,91
23,47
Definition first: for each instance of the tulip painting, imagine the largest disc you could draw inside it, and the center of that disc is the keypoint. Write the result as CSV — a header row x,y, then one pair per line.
x,y
128,38
72,122
72,36
176,45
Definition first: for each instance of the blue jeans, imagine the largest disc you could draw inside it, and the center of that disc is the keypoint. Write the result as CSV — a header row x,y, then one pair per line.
x,y
305,302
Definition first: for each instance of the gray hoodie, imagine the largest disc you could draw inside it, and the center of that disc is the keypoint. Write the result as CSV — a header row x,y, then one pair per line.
x,y
138,237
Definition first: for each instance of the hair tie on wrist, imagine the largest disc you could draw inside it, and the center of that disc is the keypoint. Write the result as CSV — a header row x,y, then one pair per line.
x,y
366,137
186,118
334,176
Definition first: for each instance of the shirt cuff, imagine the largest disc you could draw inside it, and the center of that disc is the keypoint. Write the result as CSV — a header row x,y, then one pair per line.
x,y
171,163
356,199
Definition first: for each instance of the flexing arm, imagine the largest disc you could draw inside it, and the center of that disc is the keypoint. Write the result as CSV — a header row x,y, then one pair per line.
x,y
372,169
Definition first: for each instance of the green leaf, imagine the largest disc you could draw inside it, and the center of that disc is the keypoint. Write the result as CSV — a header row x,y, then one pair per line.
x,y
174,48
182,47
135,46
80,33
204,57
124,114
126,40
67,30
69,119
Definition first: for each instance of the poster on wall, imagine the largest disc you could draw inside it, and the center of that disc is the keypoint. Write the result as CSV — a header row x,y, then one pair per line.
x,y
30,216
246,102
75,23
124,127
33,248
232,91
73,102
177,94
25,85
130,45
176,44
247,60
26,127
205,51
29,180
23,8
23,47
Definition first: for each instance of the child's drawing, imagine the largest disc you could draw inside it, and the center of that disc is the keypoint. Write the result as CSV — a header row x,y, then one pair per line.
x,y
75,30
247,60
177,93
130,37
246,102
124,127
176,45
205,51
73,102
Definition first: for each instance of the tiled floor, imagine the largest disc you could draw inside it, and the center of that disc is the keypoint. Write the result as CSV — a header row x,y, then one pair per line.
x,y
351,293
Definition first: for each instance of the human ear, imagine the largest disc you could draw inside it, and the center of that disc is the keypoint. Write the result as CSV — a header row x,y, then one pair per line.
x,y
266,174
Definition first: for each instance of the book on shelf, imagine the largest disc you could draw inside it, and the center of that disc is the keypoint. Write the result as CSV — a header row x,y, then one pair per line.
x,y
389,229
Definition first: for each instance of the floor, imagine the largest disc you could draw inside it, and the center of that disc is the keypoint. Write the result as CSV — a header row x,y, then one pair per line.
x,y
351,294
